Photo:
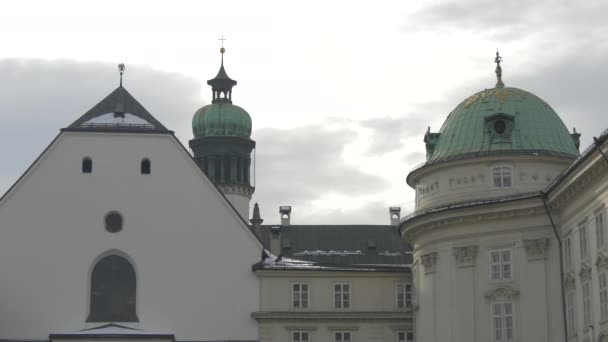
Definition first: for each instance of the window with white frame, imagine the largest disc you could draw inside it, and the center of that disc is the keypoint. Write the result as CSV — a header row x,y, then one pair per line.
x,y
404,296
501,176
405,336
586,303
299,336
342,296
570,312
568,253
342,336
603,278
600,230
501,264
502,314
299,295
584,245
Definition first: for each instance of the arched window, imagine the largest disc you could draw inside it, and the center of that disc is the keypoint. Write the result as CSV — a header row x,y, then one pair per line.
x,y
87,165
502,176
145,166
113,288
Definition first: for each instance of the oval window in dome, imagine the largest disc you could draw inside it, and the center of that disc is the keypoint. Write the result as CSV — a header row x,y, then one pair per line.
x,y
500,126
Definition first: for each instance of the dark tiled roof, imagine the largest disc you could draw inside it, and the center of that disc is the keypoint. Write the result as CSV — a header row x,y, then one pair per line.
x,y
341,244
120,100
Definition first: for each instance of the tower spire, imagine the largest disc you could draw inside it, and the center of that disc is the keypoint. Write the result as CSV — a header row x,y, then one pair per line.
x,y
497,60
222,84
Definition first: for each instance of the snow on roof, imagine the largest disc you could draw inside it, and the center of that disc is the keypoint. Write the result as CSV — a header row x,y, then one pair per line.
x,y
273,262
325,253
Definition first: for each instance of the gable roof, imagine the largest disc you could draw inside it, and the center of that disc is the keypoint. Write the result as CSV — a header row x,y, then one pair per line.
x,y
341,244
113,114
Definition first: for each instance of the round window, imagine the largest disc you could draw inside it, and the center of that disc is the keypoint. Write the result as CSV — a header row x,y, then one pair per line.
x,y
500,126
113,222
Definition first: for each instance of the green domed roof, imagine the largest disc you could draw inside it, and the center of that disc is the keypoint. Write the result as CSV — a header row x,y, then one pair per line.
x,y
501,120
221,119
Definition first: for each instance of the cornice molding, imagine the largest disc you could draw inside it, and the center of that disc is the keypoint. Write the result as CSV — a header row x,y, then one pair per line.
x,y
488,212
327,316
581,181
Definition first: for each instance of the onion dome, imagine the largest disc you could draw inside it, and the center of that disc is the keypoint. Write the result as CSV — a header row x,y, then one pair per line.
x,y
221,117
501,120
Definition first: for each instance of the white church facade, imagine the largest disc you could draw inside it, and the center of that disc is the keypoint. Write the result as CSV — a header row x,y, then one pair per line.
x,y
118,232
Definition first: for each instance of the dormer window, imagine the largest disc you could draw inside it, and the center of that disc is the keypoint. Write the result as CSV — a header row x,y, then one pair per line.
x,y
502,176
87,165
499,127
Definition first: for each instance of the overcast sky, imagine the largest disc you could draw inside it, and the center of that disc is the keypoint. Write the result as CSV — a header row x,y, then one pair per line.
x,y
340,92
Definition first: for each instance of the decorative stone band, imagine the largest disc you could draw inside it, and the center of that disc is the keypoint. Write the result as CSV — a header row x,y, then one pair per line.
x,y
465,256
237,189
429,260
536,248
502,293
585,272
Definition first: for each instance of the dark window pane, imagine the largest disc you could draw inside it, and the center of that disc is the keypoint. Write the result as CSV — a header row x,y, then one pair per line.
x,y
113,287
145,167
87,165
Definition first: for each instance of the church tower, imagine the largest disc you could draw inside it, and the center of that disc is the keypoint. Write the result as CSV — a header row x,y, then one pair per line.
x,y
222,145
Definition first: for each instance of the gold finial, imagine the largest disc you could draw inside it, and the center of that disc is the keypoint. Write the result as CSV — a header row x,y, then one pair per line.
x,y
121,70
222,50
497,60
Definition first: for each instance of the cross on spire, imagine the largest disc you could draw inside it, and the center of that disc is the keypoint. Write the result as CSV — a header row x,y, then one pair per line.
x,y
121,70
222,39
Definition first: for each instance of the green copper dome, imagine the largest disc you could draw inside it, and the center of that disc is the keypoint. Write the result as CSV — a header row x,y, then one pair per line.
x,y
221,119
501,119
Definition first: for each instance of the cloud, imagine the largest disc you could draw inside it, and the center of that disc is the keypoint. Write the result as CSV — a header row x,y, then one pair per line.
x,y
303,165
388,133
39,97
510,20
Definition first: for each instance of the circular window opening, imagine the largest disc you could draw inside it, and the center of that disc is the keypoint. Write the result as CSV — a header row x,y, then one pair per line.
x,y
113,222
500,126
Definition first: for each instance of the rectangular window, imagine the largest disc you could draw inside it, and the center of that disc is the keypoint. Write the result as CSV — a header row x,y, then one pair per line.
x,y
404,296
341,296
500,264
603,295
570,312
501,176
299,295
342,336
405,336
586,304
599,230
502,314
568,253
299,336
583,240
